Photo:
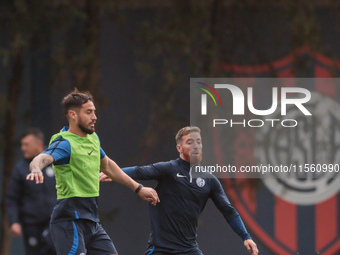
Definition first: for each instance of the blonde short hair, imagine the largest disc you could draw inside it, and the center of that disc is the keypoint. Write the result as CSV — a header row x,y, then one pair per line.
x,y
184,131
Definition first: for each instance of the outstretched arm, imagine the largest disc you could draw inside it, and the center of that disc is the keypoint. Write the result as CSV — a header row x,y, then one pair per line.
x,y
148,172
38,163
112,170
223,204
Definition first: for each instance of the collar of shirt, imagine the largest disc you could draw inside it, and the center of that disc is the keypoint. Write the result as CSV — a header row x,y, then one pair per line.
x,y
185,164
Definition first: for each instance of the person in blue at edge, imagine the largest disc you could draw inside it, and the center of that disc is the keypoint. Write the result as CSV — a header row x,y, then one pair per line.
x,y
184,196
29,206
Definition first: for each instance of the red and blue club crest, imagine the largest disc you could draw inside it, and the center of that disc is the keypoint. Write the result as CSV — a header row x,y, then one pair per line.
x,y
302,215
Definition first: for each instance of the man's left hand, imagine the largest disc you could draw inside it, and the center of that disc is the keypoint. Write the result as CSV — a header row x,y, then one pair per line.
x,y
149,194
251,246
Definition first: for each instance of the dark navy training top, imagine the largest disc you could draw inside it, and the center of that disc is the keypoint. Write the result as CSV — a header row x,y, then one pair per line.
x,y
183,197
27,202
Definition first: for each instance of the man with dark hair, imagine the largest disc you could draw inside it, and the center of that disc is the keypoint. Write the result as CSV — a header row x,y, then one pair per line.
x,y
29,206
184,196
77,159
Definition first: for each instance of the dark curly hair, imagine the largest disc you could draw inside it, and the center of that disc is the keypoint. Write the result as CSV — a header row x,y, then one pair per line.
x,y
75,100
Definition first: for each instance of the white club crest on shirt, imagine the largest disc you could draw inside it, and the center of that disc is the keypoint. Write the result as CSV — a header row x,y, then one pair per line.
x,y
32,241
200,182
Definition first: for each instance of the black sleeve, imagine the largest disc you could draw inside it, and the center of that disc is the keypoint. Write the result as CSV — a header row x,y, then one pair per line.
x,y
149,172
229,212
221,201
14,194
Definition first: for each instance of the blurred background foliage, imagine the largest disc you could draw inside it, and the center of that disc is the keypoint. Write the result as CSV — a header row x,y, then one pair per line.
x,y
176,40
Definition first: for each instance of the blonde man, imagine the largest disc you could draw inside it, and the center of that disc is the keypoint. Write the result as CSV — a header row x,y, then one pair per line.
x,y
184,196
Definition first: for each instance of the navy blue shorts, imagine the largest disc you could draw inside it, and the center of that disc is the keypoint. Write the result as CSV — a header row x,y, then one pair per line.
x,y
151,250
81,237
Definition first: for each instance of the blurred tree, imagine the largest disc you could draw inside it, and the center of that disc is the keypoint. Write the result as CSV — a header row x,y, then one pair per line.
x,y
15,19
76,46
180,41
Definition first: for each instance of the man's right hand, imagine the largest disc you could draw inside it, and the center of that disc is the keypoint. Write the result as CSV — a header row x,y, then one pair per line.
x,y
36,175
16,229
36,165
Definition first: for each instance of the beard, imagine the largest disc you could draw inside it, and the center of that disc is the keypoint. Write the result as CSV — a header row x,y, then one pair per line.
x,y
83,128
194,160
